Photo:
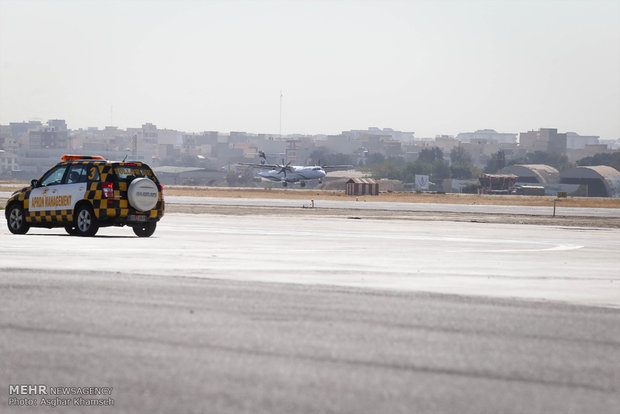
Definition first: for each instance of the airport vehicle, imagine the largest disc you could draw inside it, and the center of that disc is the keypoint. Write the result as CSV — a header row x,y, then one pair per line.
x,y
287,173
85,192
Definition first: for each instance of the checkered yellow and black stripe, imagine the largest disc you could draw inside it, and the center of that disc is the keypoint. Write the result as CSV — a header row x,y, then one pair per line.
x,y
23,197
50,216
118,206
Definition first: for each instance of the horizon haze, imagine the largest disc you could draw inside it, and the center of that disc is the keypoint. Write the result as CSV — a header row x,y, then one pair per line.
x,y
427,67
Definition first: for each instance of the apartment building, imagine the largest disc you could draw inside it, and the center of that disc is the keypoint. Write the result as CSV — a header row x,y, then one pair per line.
x,y
545,139
488,135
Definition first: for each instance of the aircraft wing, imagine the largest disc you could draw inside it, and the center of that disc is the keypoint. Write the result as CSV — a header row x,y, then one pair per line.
x,y
262,166
337,167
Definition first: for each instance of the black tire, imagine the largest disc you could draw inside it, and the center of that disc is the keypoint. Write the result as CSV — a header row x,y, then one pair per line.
x,y
71,230
16,220
146,229
84,221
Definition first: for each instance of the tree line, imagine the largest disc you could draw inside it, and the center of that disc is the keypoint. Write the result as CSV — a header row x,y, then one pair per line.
x,y
431,162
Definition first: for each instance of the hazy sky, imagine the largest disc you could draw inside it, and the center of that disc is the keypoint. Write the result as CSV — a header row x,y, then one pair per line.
x,y
431,67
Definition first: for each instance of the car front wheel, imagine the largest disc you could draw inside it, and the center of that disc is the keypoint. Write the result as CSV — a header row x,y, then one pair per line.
x,y
85,222
16,220
145,230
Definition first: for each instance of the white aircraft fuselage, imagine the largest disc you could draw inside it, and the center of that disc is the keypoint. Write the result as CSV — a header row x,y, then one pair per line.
x,y
287,173
294,173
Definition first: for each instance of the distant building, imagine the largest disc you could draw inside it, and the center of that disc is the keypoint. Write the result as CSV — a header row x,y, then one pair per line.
x,y
481,151
374,140
539,179
10,144
291,151
576,141
206,138
5,132
545,140
497,183
237,137
19,129
488,135
612,144
52,136
533,173
385,132
446,143
8,162
392,148
149,134
362,186
57,124
595,181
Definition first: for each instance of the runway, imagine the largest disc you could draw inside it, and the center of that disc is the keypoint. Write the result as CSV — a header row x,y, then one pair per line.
x,y
396,206
388,206
223,313
577,265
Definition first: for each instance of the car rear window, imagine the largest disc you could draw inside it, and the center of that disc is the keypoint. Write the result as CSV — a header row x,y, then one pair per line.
x,y
131,171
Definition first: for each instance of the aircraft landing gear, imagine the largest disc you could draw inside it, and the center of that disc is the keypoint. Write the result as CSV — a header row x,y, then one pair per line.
x,y
302,183
284,183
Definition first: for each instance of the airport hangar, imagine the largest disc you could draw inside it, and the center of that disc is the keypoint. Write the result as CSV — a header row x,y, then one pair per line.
x,y
533,173
598,180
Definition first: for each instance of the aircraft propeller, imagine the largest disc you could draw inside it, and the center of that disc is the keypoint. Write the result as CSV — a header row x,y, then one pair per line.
x,y
283,167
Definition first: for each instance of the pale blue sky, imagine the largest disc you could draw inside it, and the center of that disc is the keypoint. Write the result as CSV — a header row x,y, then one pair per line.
x,y
432,67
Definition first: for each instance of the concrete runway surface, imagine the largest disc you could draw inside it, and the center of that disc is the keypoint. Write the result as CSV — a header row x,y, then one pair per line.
x,y
268,314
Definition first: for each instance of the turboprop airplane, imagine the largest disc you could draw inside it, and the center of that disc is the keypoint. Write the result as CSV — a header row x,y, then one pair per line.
x,y
291,173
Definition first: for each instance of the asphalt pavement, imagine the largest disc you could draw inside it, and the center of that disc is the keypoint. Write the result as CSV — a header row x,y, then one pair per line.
x,y
188,345
263,314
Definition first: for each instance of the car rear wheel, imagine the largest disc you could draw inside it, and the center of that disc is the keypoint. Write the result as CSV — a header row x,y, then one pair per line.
x,y
16,221
85,222
145,230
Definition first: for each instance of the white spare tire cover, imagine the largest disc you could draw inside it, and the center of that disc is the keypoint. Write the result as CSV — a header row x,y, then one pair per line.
x,y
142,194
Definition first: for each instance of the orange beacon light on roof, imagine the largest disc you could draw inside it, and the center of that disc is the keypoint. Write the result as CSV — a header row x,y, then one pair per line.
x,y
70,157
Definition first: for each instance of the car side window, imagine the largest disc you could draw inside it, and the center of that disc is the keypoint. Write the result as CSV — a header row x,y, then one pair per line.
x,y
54,176
77,174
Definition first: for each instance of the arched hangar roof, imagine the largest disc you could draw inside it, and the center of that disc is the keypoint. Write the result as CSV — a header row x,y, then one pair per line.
x,y
540,173
592,171
608,177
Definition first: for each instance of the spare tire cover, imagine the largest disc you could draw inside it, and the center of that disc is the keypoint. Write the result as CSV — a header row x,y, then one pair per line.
x,y
142,194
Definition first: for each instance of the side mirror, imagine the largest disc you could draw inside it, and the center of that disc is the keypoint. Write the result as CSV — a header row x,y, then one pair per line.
x,y
34,183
